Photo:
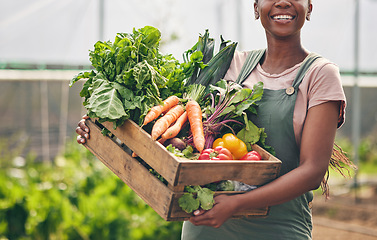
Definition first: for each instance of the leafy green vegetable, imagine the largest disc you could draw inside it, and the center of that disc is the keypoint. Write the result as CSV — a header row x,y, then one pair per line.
x,y
130,77
188,202
174,150
205,197
130,74
208,69
226,185
195,198
188,151
217,66
251,134
230,104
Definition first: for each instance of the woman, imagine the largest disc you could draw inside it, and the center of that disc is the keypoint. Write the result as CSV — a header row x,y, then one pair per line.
x,y
302,106
300,115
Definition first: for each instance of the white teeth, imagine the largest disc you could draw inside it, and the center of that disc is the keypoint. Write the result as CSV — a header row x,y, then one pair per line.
x,y
282,17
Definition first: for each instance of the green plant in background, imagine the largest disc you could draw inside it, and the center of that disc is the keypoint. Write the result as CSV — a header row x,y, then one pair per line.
x,y
75,197
367,163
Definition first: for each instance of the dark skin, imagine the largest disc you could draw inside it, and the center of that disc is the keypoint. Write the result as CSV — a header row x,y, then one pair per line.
x,y
82,130
284,50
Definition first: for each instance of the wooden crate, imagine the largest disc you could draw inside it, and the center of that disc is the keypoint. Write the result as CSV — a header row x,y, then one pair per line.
x,y
178,172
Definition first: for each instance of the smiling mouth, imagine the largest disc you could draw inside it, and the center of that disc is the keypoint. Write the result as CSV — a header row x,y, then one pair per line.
x,y
283,17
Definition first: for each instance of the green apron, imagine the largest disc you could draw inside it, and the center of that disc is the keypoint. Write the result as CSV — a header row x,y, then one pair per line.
x,y
290,220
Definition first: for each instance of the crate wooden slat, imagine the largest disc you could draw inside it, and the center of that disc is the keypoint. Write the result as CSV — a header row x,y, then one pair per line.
x,y
178,172
129,170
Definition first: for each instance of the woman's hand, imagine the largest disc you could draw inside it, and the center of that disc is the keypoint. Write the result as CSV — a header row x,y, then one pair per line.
x,y
223,209
82,130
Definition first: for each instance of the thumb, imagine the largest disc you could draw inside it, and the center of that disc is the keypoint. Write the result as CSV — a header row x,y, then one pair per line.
x,y
199,212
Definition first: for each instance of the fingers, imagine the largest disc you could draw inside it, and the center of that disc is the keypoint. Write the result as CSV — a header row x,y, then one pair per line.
x,y
199,212
216,216
82,130
205,218
81,140
83,126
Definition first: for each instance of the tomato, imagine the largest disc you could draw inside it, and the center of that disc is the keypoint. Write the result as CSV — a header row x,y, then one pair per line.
x,y
219,153
223,153
208,150
204,156
207,154
252,155
256,153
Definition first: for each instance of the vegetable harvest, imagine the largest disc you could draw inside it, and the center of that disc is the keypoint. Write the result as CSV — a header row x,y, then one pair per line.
x,y
157,110
194,114
163,123
187,105
173,131
130,76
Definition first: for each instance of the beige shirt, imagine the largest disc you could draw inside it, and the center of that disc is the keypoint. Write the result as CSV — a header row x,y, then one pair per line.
x,y
322,83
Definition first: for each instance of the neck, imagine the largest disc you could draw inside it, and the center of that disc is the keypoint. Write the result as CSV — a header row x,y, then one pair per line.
x,y
282,54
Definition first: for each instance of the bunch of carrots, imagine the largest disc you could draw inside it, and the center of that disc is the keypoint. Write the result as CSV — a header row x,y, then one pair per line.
x,y
175,115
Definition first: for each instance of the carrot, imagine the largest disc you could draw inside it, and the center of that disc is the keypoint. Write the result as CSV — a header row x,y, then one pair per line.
x,y
194,114
176,128
156,111
164,122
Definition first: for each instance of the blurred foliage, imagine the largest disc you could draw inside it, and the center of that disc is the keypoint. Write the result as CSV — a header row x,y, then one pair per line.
x,y
73,197
367,153
367,148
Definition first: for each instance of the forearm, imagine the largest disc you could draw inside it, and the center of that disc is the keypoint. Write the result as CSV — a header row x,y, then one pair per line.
x,y
282,189
315,153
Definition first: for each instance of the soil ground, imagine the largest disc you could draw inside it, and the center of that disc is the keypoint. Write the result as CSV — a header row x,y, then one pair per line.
x,y
347,215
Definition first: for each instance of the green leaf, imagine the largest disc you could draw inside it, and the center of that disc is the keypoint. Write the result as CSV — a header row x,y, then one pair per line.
x,y
226,185
188,203
105,102
205,197
196,57
81,75
85,88
257,91
174,150
152,36
262,142
250,134
217,66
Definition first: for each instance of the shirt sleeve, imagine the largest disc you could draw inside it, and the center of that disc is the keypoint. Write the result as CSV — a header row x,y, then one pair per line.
x,y
327,86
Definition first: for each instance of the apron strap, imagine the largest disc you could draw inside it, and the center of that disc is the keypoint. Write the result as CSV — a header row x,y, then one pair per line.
x,y
251,62
255,56
304,68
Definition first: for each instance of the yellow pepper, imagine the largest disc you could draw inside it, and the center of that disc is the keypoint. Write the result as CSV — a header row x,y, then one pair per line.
x,y
235,145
